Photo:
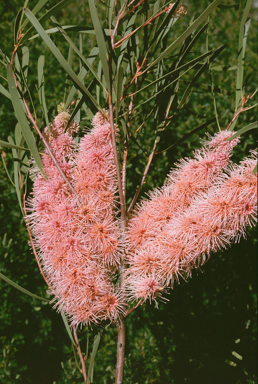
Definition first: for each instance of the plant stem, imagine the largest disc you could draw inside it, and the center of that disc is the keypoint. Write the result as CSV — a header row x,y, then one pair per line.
x,y
118,173
83,370
50,152
143,177
120,352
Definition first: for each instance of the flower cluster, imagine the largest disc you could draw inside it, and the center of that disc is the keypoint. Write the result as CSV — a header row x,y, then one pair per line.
x,y
77,235
205,204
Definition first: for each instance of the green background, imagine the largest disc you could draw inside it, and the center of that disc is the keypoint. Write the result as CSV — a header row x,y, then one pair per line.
x,y
191,338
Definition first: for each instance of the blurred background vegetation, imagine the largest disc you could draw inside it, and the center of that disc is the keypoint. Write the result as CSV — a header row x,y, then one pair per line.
x,y
206,333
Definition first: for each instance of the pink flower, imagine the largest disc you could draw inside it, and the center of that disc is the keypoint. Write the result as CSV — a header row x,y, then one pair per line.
x,y
79,243
198,211
205,204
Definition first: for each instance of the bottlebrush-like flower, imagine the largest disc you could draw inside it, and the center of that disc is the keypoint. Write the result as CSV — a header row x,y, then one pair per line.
x,y
78,236
200,210
191,177
205,204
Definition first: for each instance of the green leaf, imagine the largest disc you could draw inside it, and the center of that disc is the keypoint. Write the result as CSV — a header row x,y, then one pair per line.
x,y
78,28
21,117
163,28
173,81
6,170
85,61
68,329
60,58
16,170
9,145
17,286
190,87
53,11
81,76
245,129
119,82
35,10
189,134
75,111
190,63
185,34
41,87
65,27
17,25
255,170
129,28
243,32
110,12
100,41
25,61
228,6
67,80
5,92
96,342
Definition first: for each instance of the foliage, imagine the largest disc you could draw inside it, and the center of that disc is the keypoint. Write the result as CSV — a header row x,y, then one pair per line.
x,y
171,349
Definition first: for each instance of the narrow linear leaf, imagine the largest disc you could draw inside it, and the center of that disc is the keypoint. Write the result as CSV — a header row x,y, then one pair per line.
x,y
96,342
76,28
185,34
173,81
75,111
68,329
221,68
146,22
67,80
73,89
211,81
41,87
119,82
77,51
65,27
189,134
189,88
52,11
159,34
6,170
81,76
17,286
60,58
25,61
129,28
21,19
228,6
17,25
243,32
5,92
35,10
110,12
16,169
245,129
21,117
21,154
9,145
100,41
2,77
190,63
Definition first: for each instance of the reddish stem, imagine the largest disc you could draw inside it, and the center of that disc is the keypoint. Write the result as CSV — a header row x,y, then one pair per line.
x,y
120,352
143,178
241,109
132,309
83,370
